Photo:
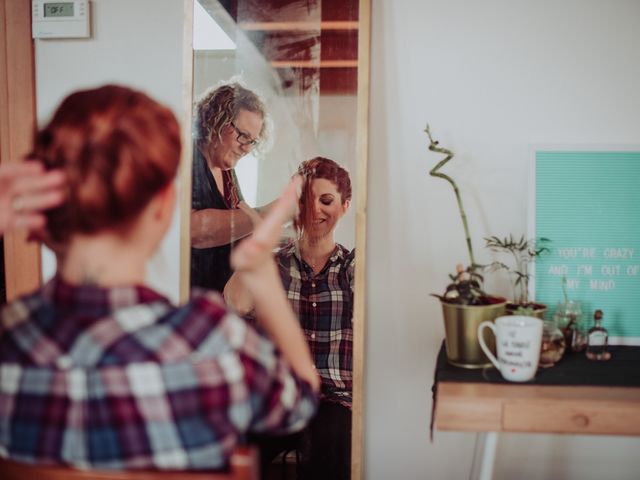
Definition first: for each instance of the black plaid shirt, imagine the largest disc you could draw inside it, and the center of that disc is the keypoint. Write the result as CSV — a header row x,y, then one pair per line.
x,y
324,305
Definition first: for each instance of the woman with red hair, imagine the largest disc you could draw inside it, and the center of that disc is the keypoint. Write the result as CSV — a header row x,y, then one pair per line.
x,y
98,370
317,274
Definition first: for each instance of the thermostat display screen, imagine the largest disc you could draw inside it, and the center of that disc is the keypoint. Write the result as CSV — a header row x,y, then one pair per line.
x,y
58,9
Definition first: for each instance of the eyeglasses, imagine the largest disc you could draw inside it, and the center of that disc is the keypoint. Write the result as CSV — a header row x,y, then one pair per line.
x,y
243,138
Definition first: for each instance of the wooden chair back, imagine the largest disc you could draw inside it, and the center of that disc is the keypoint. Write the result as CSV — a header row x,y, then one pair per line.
x,y
244,466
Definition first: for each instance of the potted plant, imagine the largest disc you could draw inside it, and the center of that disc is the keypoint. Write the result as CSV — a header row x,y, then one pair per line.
x,y
465,305
522,252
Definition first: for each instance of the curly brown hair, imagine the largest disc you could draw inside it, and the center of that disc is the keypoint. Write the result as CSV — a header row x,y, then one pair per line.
x,y
220,106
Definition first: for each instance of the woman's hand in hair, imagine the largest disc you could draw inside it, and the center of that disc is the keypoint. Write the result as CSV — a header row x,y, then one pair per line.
x,y
26,191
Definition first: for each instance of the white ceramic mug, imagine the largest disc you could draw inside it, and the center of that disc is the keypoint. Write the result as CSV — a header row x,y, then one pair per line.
x,y
518,340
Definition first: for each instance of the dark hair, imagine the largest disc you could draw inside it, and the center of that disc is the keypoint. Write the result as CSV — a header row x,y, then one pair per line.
x,y
117,147
220,106
320,167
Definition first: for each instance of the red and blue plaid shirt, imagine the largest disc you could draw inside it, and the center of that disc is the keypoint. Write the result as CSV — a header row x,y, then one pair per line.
x,y
119,378
324,305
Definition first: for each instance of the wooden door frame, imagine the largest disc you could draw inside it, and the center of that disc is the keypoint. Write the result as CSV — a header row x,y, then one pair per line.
x,y
17,126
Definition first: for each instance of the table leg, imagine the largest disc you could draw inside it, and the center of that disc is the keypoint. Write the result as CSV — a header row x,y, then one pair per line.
x,y
484,456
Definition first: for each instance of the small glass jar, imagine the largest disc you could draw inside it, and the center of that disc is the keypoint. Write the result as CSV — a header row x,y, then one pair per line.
x,y
553,344
579,336
568,318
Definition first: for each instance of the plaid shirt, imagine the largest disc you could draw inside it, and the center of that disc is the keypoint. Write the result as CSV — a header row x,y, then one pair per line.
x,y
324,305
119,378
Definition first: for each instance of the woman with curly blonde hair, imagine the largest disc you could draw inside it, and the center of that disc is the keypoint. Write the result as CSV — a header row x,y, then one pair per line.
x,y
230,121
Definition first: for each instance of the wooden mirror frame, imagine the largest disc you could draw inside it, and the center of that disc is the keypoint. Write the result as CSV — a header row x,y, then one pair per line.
x,y
362,140
17,124
20,106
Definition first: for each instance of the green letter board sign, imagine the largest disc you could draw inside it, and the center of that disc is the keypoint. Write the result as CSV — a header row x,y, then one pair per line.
x,y
588,204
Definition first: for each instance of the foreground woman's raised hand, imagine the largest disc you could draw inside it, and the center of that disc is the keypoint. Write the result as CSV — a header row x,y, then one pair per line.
x,y
256,269
26,190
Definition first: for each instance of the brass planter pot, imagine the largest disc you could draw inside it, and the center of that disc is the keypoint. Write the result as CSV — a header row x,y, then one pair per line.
x,y
461,331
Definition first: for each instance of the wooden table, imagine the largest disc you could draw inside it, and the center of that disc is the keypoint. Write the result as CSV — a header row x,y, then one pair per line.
x,y
557,401
489,407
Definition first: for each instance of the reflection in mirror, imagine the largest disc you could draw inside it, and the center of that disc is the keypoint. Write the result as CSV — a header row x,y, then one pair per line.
x,y
275,84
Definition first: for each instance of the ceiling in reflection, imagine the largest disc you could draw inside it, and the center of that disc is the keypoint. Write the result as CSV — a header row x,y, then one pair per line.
x,y
310,43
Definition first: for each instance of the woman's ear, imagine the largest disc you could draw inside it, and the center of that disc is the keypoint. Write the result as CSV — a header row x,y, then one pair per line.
x,y
156,218
165,203
170,198
345,206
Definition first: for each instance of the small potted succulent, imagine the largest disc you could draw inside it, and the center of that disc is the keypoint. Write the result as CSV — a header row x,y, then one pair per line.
x,y
522,253
464,303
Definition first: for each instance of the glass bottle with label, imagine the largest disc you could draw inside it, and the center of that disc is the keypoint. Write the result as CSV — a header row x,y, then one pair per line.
x,y
598,340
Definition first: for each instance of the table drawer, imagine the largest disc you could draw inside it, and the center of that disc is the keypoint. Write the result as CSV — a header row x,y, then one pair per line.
x,y
590,417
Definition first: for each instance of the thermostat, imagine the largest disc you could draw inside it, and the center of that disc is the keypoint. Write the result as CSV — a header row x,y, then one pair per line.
x,y
60,19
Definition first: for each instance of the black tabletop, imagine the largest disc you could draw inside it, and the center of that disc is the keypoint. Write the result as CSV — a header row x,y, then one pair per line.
x,y
623,370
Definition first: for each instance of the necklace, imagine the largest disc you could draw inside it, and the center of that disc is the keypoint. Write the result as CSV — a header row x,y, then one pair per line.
x,y
316,262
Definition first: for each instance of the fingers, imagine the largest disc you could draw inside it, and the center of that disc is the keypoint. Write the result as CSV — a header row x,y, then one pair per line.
x,y
31,188
250,257
251,213
14,170
37,183
26,191
37,201
268,231
254,251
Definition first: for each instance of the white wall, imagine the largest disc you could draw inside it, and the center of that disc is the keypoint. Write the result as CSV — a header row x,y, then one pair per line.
x,y
492,78
135,43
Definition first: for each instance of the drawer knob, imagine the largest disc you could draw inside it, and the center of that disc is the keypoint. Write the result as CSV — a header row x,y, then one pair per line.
x,y
580,420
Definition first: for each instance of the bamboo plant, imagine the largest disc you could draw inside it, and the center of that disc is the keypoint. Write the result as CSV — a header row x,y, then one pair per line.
x,y
466,284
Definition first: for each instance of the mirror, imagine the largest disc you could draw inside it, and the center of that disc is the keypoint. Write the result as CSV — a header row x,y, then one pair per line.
x,y
308,62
